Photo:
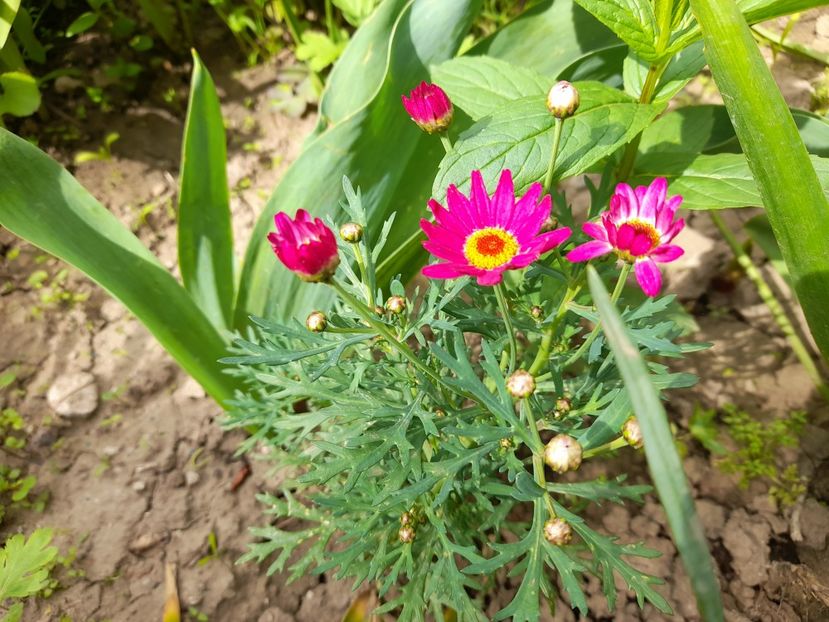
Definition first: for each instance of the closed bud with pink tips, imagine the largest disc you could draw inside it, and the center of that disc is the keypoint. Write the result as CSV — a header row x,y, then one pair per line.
x,y
639,227
429,107
305,246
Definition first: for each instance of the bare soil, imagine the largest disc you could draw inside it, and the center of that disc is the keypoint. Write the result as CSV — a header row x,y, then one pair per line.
x,y
148,478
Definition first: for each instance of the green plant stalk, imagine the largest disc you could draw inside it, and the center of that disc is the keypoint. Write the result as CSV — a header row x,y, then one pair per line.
x,y
617,291
613,445
538,460
778,313
329,22
361,264
543,354
796,206
646,97
548,178
367,315
294,27
500,295
446,142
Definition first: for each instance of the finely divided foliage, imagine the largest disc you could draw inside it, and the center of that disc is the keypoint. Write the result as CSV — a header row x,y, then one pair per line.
x,y
416,478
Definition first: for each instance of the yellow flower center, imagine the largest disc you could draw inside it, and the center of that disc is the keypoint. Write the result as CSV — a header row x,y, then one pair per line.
x,y
490,248
640,227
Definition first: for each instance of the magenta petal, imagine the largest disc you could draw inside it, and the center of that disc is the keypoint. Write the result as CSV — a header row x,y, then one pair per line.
x,y
479,199
588,251
640,245
490,277
442,271
526,204
674,229
624,237
551,239
653,199
595,231
503,201
648,276
667,253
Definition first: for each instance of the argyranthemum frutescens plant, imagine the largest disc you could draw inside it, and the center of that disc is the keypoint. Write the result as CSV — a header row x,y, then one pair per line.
x,y
423,436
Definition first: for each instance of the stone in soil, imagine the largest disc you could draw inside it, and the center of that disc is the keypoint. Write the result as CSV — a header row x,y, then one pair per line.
x,y
746,538
73,395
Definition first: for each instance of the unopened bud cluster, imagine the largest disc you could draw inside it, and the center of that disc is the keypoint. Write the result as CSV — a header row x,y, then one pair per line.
x,y
557,531
316,322
563,453
632,433
396,305
351,232
563,100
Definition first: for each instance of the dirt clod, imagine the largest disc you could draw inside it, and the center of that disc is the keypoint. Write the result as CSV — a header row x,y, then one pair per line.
x,y
73,395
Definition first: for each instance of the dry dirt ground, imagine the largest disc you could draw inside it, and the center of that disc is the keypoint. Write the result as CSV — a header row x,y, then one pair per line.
x,y
147,478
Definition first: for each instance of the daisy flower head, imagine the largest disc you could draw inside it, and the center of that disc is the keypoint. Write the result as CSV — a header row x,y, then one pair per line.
x,y
639,227
484,236
430,107
305,245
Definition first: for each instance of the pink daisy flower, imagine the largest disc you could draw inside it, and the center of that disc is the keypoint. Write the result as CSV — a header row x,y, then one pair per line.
x,y
483,237
305,246
429,107
639,228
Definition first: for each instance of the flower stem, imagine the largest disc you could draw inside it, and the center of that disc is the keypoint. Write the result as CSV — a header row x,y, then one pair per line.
x,y
447,144
614,297
543,354
361,263
548,178
778,313
646,97
513,343
368,317
606,448
538,450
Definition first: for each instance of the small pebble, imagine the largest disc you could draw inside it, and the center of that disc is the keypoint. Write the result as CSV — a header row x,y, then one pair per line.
x,y
73,395
111,451
139,486
191,478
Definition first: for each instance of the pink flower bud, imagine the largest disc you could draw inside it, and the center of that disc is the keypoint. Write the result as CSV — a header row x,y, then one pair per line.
x,y
429,107
563,100
305,246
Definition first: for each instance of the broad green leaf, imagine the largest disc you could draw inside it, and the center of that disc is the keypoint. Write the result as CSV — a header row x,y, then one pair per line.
x,y
479,85
24,564
760,231
355,12
663,460
42,203
604,65
84,22
205,236
519,137
19,95
789,185
8,11
377,147
712,181
707,129
359,73
633,21
549,38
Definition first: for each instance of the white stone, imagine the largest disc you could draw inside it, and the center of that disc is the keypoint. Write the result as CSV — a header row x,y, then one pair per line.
x,y
73,395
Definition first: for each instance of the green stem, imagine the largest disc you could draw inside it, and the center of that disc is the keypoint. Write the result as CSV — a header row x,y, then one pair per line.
x,y
543,354
646,97
361,263
617,291
329,22
445,141
538,451
778,313
606,448
513,343
548,178
368,317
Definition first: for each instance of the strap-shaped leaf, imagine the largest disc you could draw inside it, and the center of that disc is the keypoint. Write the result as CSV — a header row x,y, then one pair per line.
x,y
663,459
205,236
44,204
8,11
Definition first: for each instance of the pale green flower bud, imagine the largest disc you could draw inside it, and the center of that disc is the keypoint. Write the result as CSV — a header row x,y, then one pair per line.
x,y
316,322
563,100
563,453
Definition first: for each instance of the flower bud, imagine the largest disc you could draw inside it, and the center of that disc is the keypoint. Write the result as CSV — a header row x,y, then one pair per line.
x,y
563,453
405,518
316,322
563,100
563,406
406,534
521,384
396,304
506,443
439,413
378,310
632,433
537,312
557,531
351,232
429,107
305,245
